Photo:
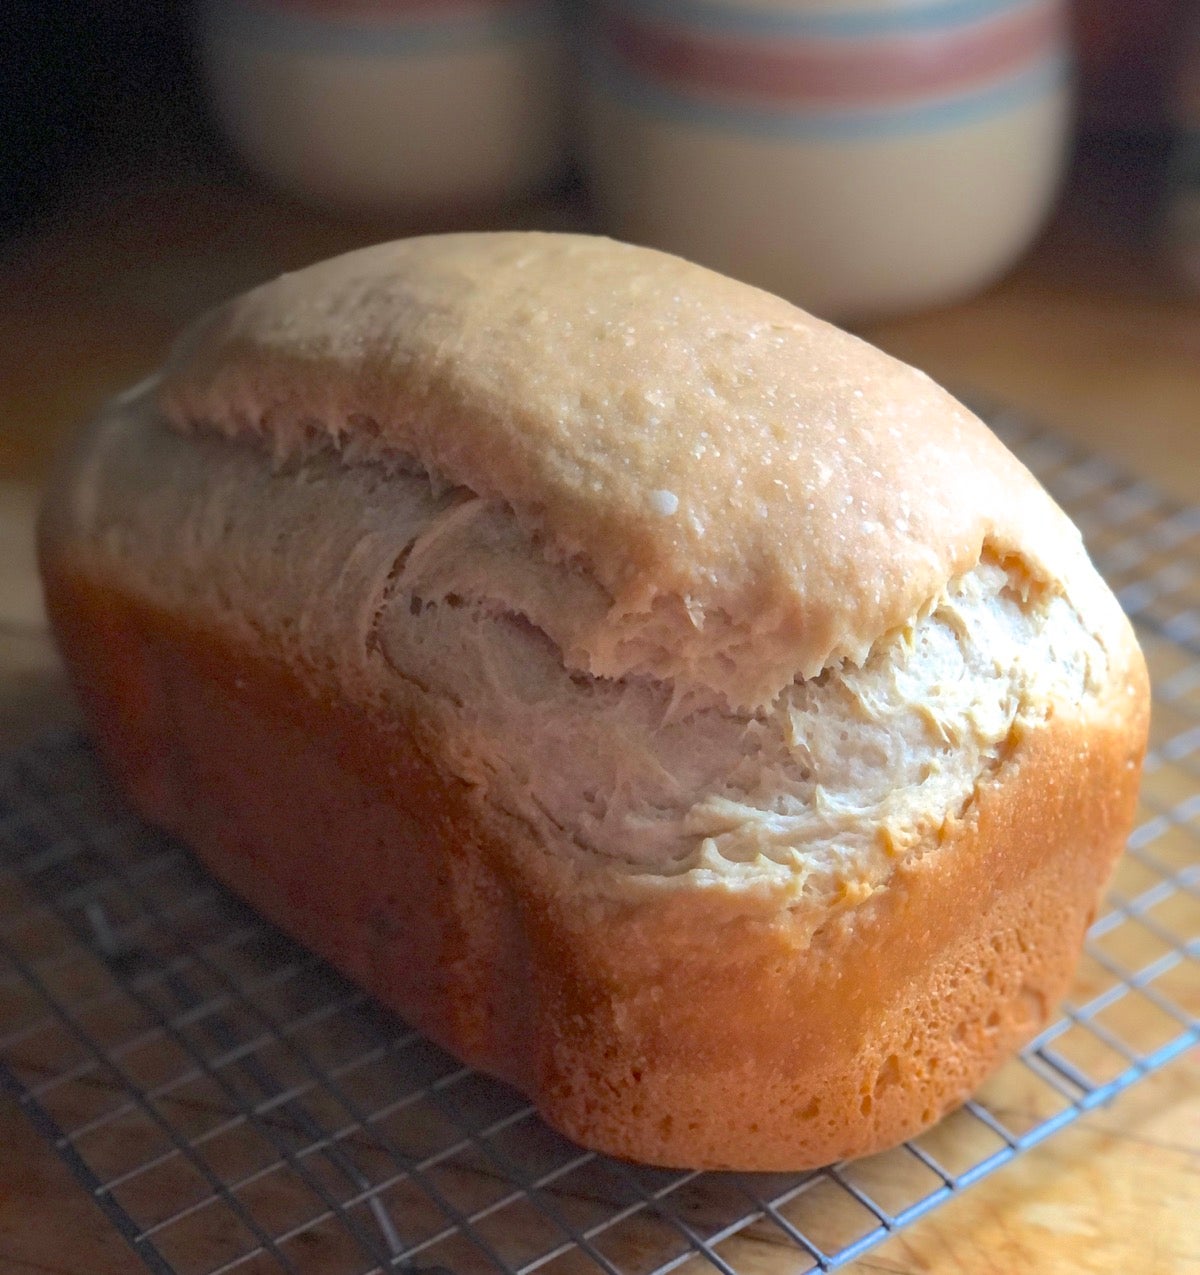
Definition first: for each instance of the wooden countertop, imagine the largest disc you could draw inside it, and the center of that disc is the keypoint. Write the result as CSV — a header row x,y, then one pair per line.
x,y
1087,334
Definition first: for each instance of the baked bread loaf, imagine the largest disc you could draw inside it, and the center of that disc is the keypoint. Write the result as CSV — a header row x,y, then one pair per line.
x,y
666,701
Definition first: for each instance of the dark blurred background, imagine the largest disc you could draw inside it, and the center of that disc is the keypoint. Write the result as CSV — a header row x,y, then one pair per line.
x,y
93,88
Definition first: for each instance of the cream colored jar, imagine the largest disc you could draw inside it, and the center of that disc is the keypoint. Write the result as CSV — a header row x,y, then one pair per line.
x,y
391,104
858,156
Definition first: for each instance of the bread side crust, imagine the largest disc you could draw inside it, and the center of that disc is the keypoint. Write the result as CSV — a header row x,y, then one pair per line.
x,y
679,1028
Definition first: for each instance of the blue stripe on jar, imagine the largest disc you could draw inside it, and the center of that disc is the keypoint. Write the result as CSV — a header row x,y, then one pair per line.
x,y
1032,84
713,16
277,30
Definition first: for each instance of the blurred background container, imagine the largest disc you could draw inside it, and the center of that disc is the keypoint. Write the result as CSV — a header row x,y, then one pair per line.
x,y
387,101
391,105
862,157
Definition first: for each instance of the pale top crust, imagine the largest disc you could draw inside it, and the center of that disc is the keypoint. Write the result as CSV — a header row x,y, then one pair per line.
x,y
750,494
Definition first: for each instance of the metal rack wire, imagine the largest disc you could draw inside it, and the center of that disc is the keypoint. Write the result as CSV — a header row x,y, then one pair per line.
x,y
233,1105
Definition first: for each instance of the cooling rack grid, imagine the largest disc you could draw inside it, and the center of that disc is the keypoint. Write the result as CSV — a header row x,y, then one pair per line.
x,y
233,1105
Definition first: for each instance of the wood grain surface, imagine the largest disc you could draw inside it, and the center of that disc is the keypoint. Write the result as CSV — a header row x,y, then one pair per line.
x,y
1088,334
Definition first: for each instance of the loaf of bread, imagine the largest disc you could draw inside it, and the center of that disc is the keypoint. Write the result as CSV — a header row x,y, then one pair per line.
x,y
667,702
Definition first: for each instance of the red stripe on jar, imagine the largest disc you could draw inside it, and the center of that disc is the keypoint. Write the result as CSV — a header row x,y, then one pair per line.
x,y
837,72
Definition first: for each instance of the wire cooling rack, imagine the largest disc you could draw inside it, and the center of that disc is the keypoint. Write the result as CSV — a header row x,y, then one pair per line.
x,y
233,1105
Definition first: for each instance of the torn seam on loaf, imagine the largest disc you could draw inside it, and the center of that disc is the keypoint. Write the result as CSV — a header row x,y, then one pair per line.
x,y
712,813
632,651
668,635
507,711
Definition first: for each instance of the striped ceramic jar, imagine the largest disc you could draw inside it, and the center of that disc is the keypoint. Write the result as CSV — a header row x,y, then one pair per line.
x,y
391,104
859,156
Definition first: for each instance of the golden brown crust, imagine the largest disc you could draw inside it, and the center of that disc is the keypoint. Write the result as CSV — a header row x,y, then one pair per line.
x,y
674,1029
720,462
